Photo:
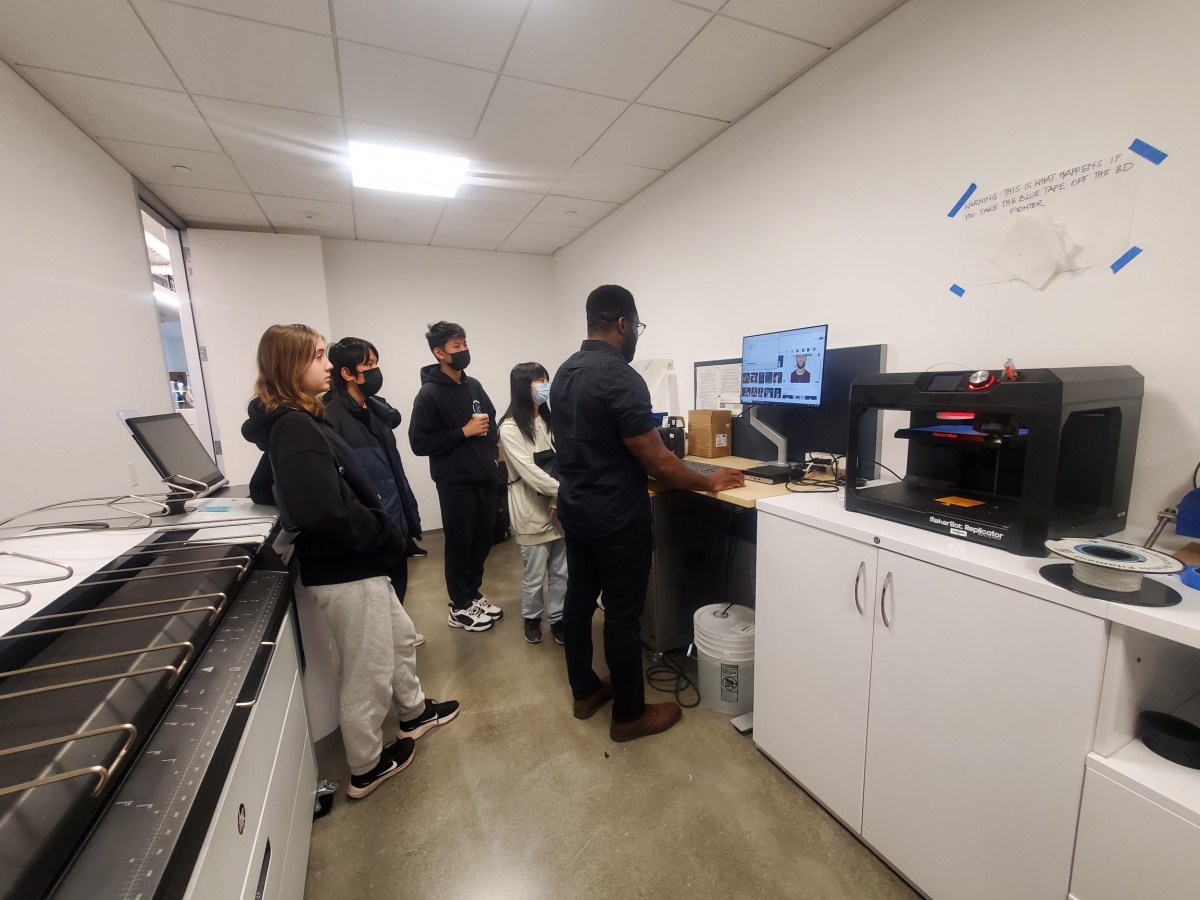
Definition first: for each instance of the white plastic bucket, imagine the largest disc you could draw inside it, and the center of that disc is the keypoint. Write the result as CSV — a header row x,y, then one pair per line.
x,y
724,653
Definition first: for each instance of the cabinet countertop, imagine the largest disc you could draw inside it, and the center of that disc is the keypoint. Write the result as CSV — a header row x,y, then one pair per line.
x,y
1179,623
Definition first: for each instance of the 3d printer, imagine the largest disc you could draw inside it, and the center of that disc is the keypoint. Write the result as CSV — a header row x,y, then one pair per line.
x,y
1001,459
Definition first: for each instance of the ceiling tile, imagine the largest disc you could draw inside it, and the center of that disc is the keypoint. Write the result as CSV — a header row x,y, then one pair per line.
x,y
654,138
470,32
490,203
104,38
531,238
159,165
395,225
398,200
236,59
293,179
712,5
249,131
613,182
826,22
389,135
529,177
227,206
464,244
570,211
125,112
290,212
410,92
611,47
728,69
473,229
345,234
526,121
223,225
307,15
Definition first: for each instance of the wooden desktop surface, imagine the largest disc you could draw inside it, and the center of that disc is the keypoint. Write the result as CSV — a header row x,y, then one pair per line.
x,y
746,497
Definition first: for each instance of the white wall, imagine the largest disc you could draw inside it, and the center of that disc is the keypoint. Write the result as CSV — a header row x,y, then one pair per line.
x,y
389,293
241,284
829,204
77,311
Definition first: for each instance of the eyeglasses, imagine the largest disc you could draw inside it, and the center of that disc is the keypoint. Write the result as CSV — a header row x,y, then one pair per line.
x,y
641,328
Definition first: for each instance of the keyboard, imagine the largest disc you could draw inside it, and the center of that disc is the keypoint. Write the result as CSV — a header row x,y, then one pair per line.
x,y
701,468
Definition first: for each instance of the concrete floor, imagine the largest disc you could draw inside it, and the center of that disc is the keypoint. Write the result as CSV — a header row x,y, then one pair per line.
x,y
518,800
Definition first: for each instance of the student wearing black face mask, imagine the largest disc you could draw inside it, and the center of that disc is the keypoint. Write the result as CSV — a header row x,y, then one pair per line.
x,y
365,421
454,423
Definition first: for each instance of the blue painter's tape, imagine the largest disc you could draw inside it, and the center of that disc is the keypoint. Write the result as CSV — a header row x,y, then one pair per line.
x,y
1191,576
955,289
963,199
1141,148
216,508
1126,258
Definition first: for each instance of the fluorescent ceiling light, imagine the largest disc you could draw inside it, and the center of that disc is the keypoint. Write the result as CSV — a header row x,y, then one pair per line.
x,y
157,246
407,171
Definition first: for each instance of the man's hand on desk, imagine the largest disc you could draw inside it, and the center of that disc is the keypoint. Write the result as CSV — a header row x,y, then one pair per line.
x,y
726,480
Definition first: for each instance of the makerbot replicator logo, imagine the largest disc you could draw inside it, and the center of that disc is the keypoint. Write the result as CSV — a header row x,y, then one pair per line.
x,y
964,529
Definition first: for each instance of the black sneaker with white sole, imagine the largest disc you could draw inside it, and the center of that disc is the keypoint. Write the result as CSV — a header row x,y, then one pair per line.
x,y
489,608
533,630
556,629
395,758
435,714
470,619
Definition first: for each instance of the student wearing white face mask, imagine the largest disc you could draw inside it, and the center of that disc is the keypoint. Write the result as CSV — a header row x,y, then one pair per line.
x,y
532,496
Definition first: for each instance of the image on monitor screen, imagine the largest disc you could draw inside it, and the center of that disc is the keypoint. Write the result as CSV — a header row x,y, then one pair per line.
x,y
793,360
175,451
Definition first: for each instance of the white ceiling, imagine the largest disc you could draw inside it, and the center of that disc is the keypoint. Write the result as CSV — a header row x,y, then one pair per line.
x,y
237,113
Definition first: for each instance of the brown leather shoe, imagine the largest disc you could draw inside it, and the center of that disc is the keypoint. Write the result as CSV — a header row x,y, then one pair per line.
x,y
589,706
657,718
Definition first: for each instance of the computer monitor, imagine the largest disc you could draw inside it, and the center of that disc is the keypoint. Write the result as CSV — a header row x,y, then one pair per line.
x,y
784,368
175,452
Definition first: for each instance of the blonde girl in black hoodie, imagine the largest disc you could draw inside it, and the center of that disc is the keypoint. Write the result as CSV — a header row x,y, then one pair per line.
x,y
346,545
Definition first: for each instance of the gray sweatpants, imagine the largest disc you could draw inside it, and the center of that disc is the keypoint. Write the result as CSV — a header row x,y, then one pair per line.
x,y
376,641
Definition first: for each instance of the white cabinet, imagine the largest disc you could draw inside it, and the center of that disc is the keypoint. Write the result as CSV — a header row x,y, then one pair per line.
x,y
952,735
982,713
813,659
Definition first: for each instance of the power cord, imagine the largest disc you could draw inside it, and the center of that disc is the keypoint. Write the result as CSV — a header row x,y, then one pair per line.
x,y
669,678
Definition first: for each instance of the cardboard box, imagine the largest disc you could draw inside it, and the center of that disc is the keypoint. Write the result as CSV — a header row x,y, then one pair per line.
x,y
710,432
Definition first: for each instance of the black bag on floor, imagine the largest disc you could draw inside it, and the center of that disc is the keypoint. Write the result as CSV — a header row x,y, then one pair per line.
x,y
502,528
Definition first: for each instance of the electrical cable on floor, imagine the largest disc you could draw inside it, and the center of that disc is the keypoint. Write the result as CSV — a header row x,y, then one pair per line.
x,y
669,678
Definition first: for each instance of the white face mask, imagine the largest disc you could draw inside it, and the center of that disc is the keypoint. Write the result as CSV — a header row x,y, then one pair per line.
x,y
541,392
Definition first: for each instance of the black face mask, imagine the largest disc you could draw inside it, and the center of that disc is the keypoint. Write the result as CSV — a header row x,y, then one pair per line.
x,y
629,346
460,360
372,382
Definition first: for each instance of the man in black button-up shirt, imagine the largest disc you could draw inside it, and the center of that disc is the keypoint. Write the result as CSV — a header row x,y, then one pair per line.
x,y
606,443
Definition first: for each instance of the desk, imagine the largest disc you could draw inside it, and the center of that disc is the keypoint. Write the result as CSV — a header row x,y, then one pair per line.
x,y
704,552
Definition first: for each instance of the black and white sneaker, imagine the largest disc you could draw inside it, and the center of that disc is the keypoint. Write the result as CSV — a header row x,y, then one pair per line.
x,y
533,630
394,759
435,714
556,629
470,619
491,609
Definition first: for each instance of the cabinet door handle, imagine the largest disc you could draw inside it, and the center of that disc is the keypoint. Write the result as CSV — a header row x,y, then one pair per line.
x,y
862,570
887,583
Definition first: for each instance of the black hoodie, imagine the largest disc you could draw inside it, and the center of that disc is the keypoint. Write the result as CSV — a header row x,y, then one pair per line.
x,y
443,406
323,492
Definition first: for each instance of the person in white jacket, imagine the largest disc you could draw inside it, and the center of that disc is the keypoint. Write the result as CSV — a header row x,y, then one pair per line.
x,y
532,496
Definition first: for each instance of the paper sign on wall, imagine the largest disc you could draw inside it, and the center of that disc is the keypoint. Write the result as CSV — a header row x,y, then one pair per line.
x,y
1062,220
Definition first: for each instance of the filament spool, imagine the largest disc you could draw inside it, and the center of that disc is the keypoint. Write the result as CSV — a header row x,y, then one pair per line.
x,y
1113,570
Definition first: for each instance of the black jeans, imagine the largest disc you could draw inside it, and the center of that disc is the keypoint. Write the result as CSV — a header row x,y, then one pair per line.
x,y
399,578
468,514
618,565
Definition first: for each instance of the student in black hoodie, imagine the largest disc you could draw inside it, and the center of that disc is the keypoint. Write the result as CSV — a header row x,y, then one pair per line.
x,y
454,424
346,546
366,421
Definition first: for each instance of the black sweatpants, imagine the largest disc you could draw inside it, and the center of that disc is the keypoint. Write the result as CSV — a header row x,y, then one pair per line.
x,y
618,565
468,515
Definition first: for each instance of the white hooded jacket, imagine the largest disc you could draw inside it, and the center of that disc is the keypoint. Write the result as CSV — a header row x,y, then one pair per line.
x,y
531,492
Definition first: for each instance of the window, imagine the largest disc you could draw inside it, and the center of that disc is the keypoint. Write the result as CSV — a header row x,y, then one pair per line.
x,y
172,302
